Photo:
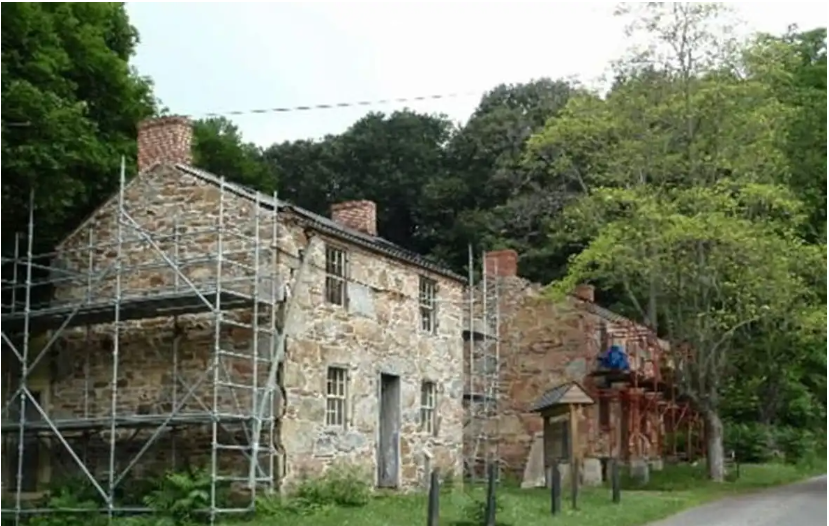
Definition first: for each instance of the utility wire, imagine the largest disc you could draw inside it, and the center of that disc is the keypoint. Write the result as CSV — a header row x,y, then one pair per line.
x,y
339,105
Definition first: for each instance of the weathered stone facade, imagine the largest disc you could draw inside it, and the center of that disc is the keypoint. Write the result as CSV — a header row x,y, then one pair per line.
x,y
378,332
544,344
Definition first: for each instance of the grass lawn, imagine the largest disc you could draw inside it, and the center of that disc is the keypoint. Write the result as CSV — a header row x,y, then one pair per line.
x,y
668,492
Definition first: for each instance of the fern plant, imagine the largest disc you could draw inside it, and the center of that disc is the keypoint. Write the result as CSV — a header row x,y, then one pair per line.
x,y
179,496
64,498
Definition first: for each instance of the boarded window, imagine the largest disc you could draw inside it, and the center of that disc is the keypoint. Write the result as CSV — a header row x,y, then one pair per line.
x,y
335,275
336,395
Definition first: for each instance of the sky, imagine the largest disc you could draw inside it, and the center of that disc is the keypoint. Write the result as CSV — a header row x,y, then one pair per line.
x,y
218,57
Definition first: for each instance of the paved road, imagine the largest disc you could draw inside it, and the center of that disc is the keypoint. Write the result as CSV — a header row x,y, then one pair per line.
x,y
801,504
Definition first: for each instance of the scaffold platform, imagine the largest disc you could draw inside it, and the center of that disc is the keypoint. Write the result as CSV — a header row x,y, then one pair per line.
x,y
121,422
171,303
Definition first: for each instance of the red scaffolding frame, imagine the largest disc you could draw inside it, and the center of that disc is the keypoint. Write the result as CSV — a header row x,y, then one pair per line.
x,y
653,418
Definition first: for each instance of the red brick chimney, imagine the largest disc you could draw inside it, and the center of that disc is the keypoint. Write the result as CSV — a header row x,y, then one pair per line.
x,y
503,263
359,215
585,292
164,140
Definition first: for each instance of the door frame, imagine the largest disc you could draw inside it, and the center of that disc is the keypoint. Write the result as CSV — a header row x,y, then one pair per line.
x,y
377,454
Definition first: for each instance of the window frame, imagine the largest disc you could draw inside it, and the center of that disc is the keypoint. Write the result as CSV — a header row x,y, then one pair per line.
x,y
427,304
429,407
336,396
336,275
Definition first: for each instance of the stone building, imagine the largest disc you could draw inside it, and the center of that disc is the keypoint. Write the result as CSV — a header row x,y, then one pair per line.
x,y
544,344
359,338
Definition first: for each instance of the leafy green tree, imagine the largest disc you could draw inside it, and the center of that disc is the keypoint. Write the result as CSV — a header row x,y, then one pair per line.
x,y
681,206
219,148
307,169
488,197
794,64
388,159
70,106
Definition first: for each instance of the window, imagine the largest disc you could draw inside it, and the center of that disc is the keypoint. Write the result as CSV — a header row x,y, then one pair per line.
x,y
335,275
428,289
335,400
428,407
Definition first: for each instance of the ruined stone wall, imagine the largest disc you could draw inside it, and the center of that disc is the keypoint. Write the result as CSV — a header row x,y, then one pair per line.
x,y
542,345
377,333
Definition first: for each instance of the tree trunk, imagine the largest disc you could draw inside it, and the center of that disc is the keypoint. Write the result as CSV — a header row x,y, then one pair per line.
x,y
715,453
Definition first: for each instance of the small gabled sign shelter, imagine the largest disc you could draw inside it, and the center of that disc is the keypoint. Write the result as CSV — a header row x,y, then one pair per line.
x,y
556,406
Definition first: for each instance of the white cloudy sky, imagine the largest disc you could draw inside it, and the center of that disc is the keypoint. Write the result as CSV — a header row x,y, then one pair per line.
x,y
215,57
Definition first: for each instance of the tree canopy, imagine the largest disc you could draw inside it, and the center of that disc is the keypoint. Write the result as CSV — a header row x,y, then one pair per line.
x,y
70,106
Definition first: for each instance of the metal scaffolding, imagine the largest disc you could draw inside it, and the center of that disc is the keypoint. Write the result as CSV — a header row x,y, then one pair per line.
x,y
483,363
139,341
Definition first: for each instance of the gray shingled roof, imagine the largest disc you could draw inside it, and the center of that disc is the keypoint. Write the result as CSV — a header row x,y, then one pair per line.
x,y
326,225
553,396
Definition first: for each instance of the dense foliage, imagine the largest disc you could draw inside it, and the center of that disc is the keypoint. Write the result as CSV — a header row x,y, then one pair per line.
x,y
693,193
70,104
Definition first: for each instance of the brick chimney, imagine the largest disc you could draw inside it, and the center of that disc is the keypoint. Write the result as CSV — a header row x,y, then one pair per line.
x,y
503,263
359,215
164,140
585,292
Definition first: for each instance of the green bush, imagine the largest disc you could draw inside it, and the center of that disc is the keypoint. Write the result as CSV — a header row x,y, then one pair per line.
x,y
64,498
751,442
757,443
179,496
342,485
475,512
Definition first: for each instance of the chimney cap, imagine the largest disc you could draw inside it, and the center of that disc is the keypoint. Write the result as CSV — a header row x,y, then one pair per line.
x,y
166,120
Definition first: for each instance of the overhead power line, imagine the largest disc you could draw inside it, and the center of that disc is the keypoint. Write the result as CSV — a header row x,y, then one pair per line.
x,y
339,105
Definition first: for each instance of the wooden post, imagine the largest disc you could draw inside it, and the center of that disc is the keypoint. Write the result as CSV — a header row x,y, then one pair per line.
x,y
574,456
616,484
434,499
555,488
490,494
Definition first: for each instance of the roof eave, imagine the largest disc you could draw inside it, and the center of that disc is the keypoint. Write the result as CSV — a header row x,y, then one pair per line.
x,y
309,220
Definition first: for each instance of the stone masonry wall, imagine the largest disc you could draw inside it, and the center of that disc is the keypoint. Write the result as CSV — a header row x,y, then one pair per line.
x,y
378,333
544,344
